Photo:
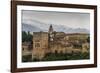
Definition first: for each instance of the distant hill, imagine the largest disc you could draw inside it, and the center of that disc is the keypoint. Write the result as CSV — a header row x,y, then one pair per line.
x,y
31,28
37,26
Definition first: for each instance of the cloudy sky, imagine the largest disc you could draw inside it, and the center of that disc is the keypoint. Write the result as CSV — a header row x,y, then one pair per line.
x,y
69,19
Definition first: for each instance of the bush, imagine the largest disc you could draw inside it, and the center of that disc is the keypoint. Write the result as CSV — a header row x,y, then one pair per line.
x,y
27,58
55,57
58,56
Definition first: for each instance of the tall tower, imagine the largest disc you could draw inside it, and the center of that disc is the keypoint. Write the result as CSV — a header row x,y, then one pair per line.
x,y
51,37
50,29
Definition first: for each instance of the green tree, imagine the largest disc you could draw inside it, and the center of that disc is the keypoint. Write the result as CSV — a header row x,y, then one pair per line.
x,y
26,37
29,37
88,39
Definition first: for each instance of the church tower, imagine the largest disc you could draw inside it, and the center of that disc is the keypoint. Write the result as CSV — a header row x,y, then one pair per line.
x,y
51,37
50,29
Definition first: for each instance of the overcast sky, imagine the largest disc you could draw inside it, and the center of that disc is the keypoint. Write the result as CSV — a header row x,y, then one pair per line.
x,y
69,19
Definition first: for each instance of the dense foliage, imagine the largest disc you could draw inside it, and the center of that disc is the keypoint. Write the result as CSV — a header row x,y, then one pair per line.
x,y
61,56
26,37
56,57
27,58
88,39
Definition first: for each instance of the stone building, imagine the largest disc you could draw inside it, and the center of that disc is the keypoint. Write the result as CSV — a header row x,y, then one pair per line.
x,y
58,42
40,44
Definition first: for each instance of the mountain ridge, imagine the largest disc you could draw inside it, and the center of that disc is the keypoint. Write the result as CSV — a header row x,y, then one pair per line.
x,y
37,26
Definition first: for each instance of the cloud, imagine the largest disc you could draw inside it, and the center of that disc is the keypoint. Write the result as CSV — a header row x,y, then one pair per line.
x,y
73,20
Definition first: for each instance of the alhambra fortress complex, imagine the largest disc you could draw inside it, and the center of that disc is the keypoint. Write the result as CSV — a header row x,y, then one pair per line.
x,y
55,42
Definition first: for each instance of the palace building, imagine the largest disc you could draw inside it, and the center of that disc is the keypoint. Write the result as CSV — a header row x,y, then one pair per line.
x,y
55,42
58,42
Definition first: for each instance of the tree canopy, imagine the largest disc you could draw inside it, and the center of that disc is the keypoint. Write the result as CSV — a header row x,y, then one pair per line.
x,y
26,37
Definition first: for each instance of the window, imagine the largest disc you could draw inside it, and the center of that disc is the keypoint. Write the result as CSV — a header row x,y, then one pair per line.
x,y
37,45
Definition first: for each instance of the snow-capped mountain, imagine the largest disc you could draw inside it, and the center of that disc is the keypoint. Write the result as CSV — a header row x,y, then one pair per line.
x,y
36,26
